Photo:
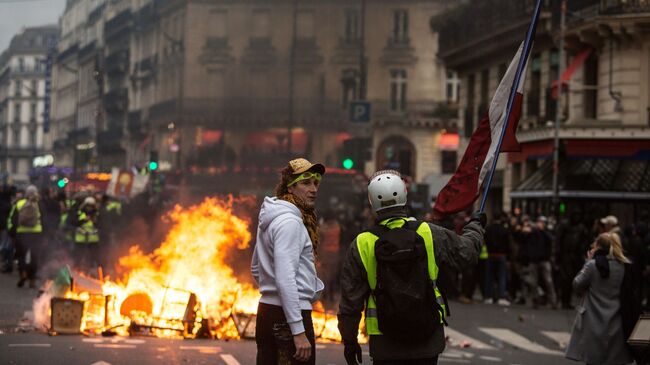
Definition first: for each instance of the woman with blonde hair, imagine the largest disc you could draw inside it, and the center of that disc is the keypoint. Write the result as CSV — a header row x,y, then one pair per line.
x,y
597,336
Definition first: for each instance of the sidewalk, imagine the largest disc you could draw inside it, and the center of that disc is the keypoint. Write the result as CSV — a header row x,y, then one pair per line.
x,y
14,301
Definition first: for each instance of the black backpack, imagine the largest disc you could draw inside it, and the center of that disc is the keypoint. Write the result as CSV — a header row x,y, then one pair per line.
x,y
407,309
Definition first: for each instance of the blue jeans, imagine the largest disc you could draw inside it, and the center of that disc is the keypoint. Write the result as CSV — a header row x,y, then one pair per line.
x,y
7,251
497,272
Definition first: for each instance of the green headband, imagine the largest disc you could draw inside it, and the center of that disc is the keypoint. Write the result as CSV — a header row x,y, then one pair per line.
x,y
306,176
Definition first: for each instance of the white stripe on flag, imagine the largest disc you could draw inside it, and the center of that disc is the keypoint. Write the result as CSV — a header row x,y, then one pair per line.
x,y
519,341
498,109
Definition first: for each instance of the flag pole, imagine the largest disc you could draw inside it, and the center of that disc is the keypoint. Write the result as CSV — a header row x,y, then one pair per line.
x,y
528,45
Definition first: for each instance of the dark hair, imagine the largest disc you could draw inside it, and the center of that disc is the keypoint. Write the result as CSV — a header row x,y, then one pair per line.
x,y
285,177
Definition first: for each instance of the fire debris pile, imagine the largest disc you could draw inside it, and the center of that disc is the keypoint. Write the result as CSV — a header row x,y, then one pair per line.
x,y
184,289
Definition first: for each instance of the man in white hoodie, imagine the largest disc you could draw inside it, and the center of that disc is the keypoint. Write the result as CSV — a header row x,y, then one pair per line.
x,y
283,266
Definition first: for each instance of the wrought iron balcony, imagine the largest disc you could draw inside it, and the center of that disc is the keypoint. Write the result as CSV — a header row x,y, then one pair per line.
x,y
117,62
116,100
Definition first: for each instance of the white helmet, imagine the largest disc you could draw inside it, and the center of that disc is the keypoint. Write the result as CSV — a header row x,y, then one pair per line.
x,y
386,190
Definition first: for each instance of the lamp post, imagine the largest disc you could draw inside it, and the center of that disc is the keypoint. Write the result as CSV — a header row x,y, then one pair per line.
x,y
558,113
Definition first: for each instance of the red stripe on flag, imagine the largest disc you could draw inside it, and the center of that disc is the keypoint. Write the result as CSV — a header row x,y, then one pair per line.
x,y
510,143
462,189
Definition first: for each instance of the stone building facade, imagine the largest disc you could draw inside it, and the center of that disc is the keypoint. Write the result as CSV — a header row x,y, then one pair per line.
x,y
219,84
605,125
23,101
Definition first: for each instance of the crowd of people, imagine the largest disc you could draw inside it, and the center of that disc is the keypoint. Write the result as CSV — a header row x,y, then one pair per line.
x,y
82,229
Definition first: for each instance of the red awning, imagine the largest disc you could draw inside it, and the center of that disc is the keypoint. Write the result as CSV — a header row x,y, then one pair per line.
x,y
571,69
583,148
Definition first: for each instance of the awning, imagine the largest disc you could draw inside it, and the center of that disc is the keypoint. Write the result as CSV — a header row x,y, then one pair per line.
x,y
634,149
571,69
589,179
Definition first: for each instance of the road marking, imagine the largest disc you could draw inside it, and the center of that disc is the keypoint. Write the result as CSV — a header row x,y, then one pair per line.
x,y
518,341
229,359
457,354
458,361
474,343
491,358
101,363
560,337
30,345
114,346
92,340
203,349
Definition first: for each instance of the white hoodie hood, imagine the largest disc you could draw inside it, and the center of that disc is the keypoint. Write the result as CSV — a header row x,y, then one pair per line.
x,y
283,261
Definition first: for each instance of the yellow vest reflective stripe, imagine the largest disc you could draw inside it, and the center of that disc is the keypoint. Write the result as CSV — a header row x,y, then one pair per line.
x,y
366,246
38,228
484,253
86,233
116,206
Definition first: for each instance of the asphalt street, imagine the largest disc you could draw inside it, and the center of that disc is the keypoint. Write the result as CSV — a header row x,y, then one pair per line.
x,y
479,334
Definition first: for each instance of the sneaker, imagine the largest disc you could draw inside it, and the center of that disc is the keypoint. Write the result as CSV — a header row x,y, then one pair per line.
x,y
503,302
488,301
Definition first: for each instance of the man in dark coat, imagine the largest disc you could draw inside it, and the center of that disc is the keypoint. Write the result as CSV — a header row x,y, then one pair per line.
x,y
571,240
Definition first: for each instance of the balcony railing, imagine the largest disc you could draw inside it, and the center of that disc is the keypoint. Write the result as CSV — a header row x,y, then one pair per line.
x,y
478,19
117,62
116,100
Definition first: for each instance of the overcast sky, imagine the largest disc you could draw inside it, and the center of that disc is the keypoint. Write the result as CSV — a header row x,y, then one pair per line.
x,y
15,14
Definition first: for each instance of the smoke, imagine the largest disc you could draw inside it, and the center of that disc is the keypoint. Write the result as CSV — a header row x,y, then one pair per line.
x,y
41,308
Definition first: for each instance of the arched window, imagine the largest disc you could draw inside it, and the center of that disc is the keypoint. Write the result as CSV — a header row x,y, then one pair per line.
x,y
397,153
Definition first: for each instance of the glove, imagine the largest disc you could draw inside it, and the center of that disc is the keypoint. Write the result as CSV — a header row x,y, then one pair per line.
x,y
352,352
479,217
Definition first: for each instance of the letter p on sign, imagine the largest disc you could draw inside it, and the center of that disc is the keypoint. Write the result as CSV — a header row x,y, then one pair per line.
x,y
360,112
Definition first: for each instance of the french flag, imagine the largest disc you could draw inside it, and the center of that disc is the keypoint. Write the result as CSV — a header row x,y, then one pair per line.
x,y
464,187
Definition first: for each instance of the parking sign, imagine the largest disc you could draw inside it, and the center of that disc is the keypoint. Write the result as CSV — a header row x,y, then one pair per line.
x,y
360,112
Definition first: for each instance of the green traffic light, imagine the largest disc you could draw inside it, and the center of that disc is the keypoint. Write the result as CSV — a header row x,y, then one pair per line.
x,y
562,208
348,163
153,165
61,183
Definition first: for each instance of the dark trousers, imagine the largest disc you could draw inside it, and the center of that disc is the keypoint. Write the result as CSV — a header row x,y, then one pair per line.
x,y
28,251
433,361
497,273
274,339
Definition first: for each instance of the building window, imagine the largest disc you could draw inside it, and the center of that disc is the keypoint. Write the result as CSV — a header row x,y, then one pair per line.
x,y
218,29
305,27
553,74
17,113
32,113
38,64
32,139
469,112
14,165
16,137
261,32
21,64
352,27
34,88
452,87
449,160
485,92
19,88
400,33
591,87
398,90
534,94
349,81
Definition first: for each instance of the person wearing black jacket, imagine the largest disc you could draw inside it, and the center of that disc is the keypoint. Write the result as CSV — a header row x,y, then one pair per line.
x,y
538,249
6,245
571,241
387,195
497,240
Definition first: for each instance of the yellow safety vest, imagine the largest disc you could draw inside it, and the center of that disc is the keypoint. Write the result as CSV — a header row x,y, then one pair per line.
x,y
366,246
38,228
484,253
86,233
114,206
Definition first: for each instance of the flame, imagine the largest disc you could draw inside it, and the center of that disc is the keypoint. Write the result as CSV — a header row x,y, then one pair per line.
x,y
188,273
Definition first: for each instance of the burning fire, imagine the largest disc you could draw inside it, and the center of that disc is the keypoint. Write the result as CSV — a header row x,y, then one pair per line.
x,y
186,286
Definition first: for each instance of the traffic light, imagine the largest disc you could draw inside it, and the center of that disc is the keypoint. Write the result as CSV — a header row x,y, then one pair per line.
x,y
153,160
62,182
354,153
348,164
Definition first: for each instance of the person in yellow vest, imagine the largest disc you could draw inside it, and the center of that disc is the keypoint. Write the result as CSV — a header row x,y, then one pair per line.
x,y
25,226
86,235
391,271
